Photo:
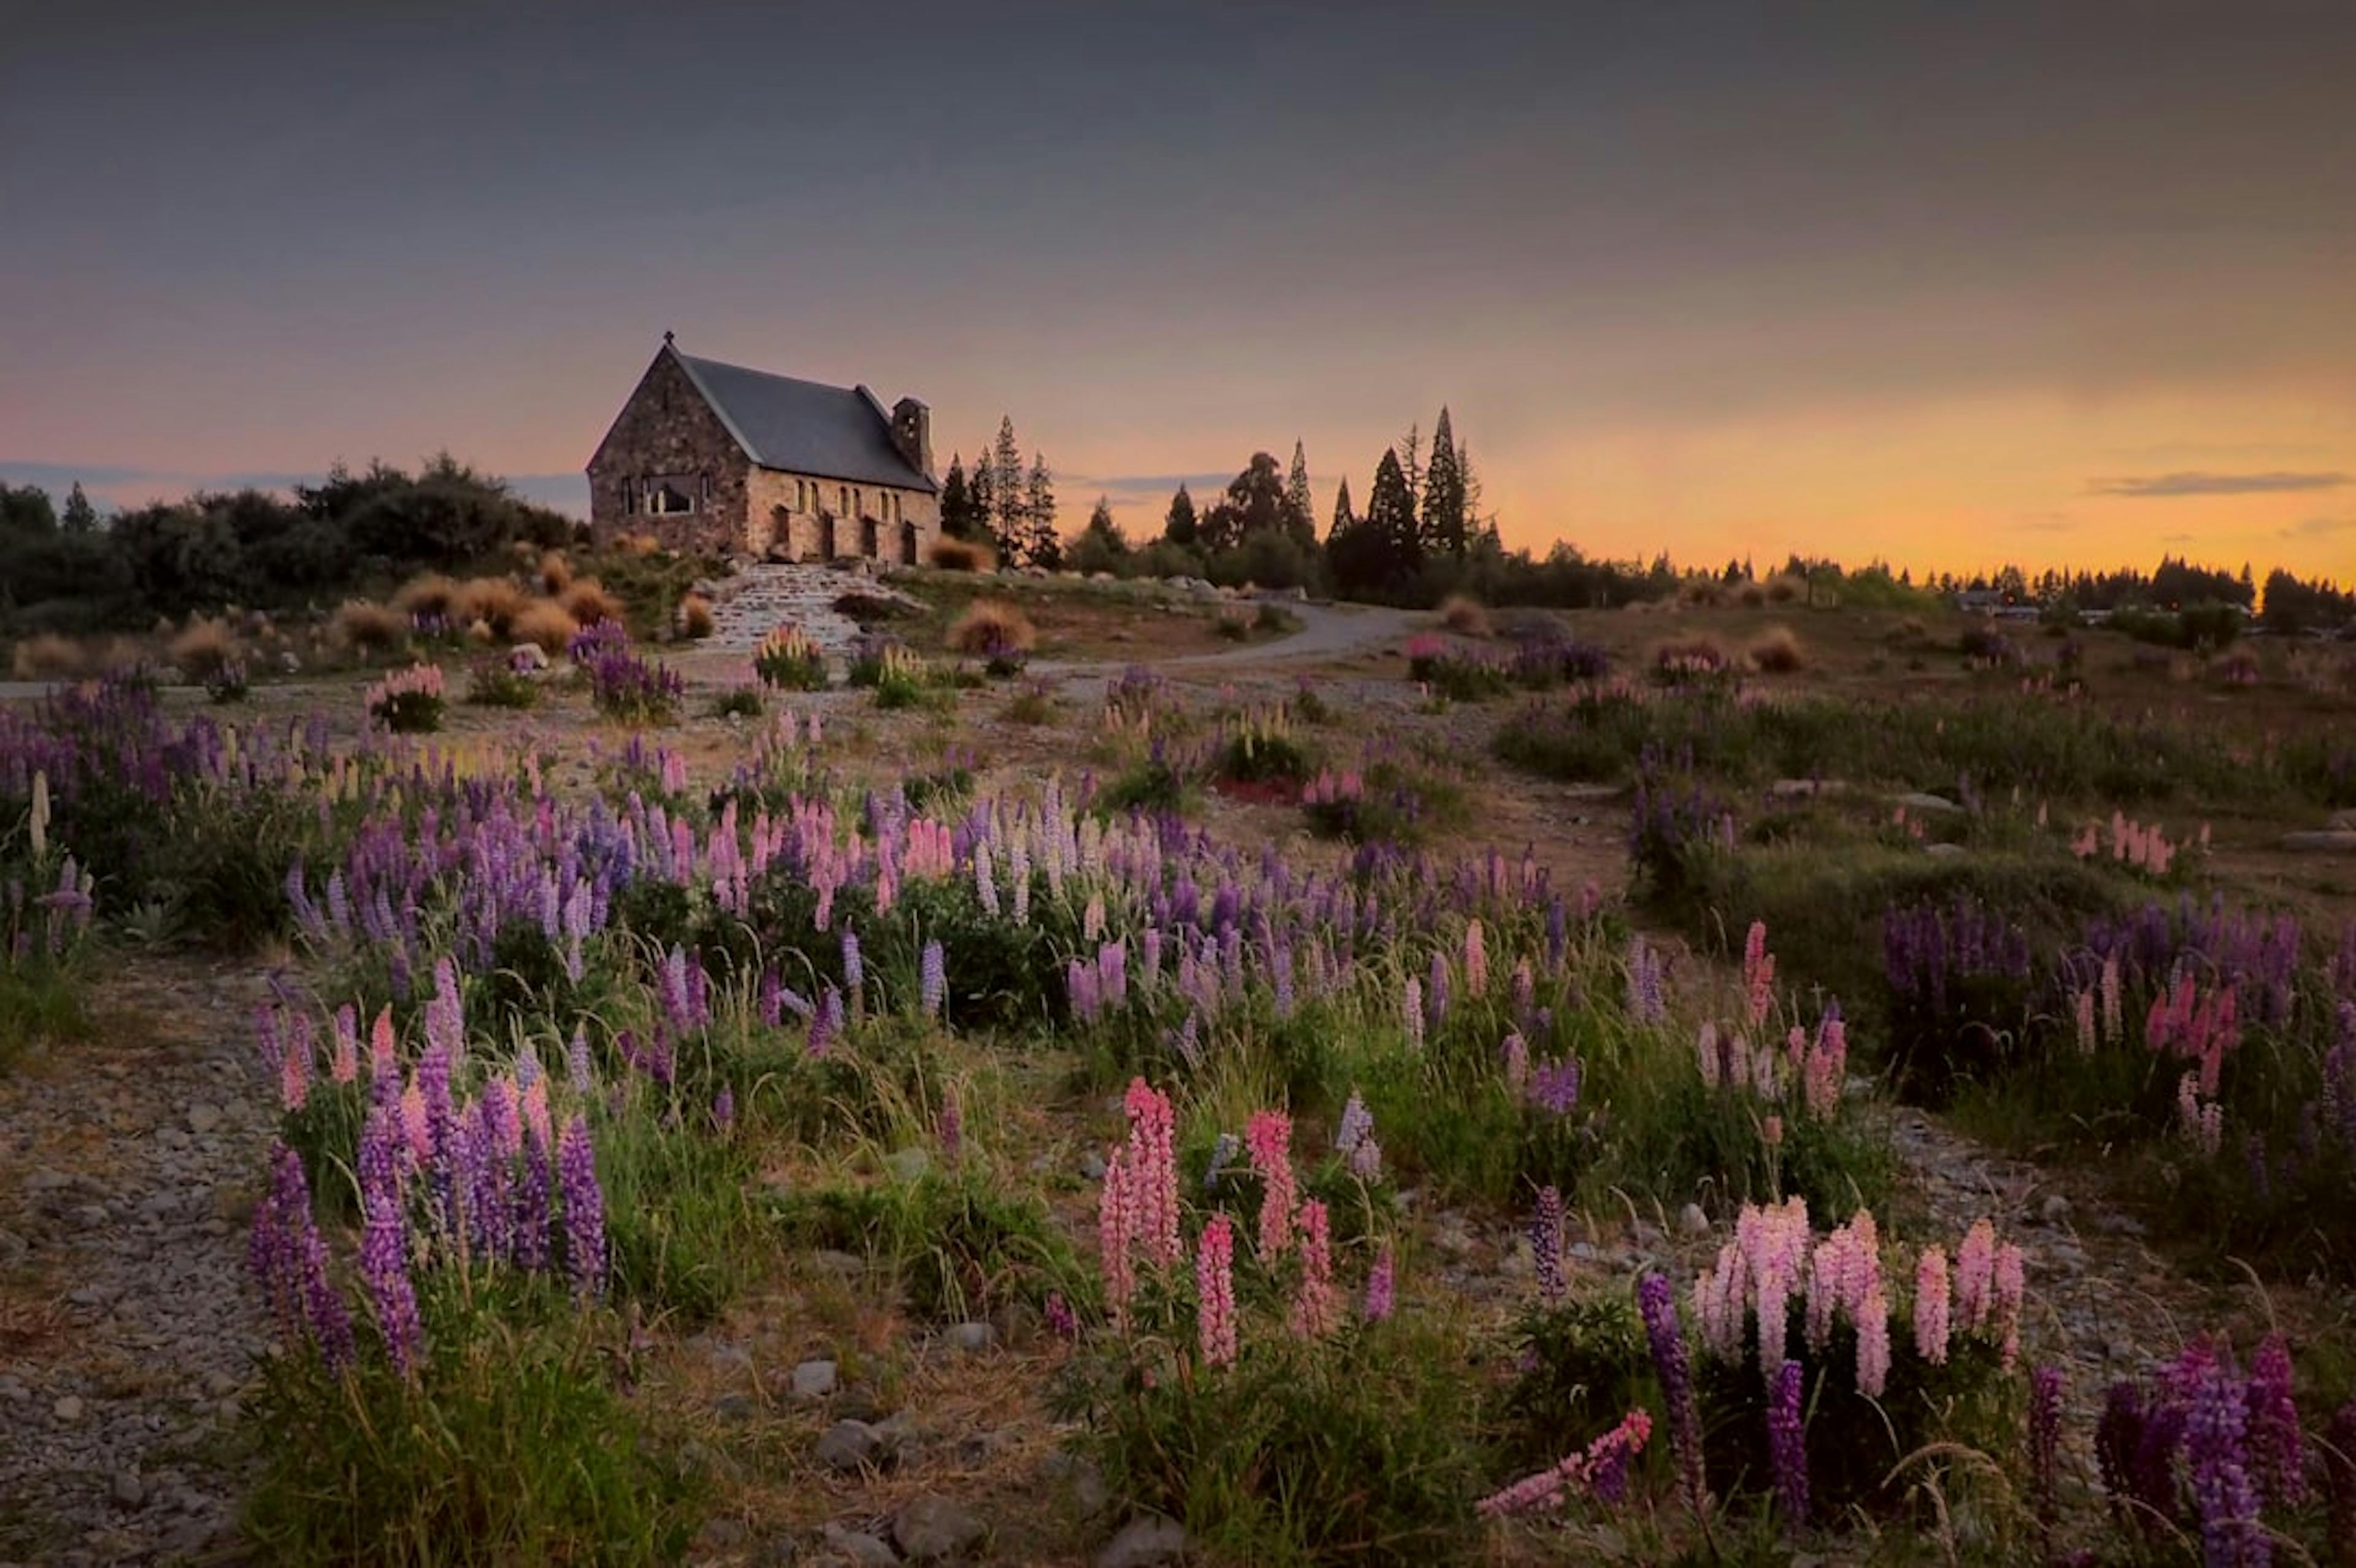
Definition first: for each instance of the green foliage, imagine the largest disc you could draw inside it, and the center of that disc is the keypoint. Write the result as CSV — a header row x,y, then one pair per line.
x,y
959,1244
738,702
1345,1451
510,1447
1154,782
496,683
1583,1365
681,1235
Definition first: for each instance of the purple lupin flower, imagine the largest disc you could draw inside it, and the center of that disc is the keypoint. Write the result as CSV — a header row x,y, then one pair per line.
x,y
1546,1243
534,1201
434,1086
1787,1447
723,1109
2045,1446
1656,1302
2222,1494
854,967
1435,995
584,1208
2275,1441
1554,1087
576,1062
1382,1281
1061,1320
932,980
384,1272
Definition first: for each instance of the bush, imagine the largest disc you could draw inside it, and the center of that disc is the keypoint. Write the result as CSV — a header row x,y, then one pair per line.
x,y
496,683
363,627
429,596
1777,651
48,657
228,682
1260,749
588,602
900,678
409,701
1689,661
695,617
628,689
1464,616
961,555
201,649
546,625
556,573
495,602
738,702
992,629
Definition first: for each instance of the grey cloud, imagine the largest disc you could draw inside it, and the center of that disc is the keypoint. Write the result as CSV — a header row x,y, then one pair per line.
x,y
2199,482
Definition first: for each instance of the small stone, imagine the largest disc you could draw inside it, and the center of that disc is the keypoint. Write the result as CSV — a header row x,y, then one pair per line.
x,y
850,1446
219,1385
1692,1222
127,1489
971,1337
203,1118
2119,1225
814,1380
68,1408
860,1547
928,1528
1092,1167
1149,1542
732,1407
1937,804
845,1266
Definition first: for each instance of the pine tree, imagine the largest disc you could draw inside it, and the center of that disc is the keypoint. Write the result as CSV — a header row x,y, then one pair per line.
x,y
1344,517
1006,482
1180,526
1390,511
1410,452
1301,516
1442,528
1042,546
957,501
1378,552
82,517
980,500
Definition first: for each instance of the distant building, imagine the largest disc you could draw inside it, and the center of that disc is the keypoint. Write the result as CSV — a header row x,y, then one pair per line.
x,y
715,458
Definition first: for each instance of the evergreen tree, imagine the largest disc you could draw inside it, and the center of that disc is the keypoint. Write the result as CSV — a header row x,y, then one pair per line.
x,y
1254,504
1442,528
957,501
82,517
1344,517
1301,516
980,500
1410,452
1042,546
1102,528
1006,492
26,509
1180,526
1100,546
1378,553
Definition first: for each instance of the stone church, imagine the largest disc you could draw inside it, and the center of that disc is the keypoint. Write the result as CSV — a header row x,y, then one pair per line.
x,y
714,459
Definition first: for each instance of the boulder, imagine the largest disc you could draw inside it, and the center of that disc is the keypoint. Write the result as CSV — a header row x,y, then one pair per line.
x,y
929,1529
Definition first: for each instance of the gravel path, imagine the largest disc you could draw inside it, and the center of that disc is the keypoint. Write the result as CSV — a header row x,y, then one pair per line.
x,y
128,1329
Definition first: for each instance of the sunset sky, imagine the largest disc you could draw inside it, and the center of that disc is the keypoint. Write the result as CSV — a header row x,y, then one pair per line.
x,y
1949,284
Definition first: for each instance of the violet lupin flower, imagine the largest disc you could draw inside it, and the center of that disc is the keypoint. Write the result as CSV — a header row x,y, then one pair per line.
x,y
1787,1447
2275,1441
585,1209
854,967
1656,1303
1382,1285
384,1271
1061,1320
932,980
2045,1444
1546,1244
723,1109
2222,1494
577,1068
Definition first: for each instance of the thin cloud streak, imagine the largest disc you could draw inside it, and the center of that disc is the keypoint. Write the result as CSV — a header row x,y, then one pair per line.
x,y
2197,482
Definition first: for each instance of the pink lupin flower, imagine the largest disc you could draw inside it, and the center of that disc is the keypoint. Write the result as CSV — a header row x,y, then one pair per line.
x,y
1411,1011
1930,1306
1872,1344
2113,1024
1215,1289
535,1112
1517,1063
344,1065
1314,1308
384,1050
294,1066
1382,1281
1758,972
1154,1171
1476,959
1974,1274
416,1129
1113,1240
1269,1136
2009,1290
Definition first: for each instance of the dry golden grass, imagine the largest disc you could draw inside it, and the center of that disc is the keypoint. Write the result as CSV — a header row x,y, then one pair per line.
x,y
545,624
1777,651
961,555
120,653
1782,587
1464,615
639,544
694,617
203,647
494,601
364,626
428,593
555,572
1701,590
588,602
1751,595
991,624
47,656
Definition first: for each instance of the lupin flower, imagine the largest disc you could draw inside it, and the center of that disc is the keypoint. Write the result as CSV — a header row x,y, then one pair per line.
x,y
2045,1444
1411,1011
2222,1495
948,1123
1601,1470
1476,958
1930,1306
585,1209
1382,1283
1215,1291
1656,1304
1787,1447
932,980
1153,1170
1116,1222
1517,1052
1061,1320
1269,1136
344,1063
2274,1440
1314,1307
1758,972
384,1272
724,1110
1546,1244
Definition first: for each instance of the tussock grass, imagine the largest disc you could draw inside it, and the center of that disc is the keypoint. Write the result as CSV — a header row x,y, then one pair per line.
x,y
962,555
47,656
992,626
588,602
694,617
1777,651
366,628
1466,617
203,648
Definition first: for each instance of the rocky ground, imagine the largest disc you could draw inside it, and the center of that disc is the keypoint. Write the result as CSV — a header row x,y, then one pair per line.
x,y
127,1327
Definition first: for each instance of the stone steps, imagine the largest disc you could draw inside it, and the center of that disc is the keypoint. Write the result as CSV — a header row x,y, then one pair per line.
x,y
747,606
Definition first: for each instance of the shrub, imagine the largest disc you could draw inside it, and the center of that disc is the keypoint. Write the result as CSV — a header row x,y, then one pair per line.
x,y
994,629
1690,660
1777,651
588,601
556,573
628,689
1154,783
1464,616
1260,749
365,627
496,683
1035,704
1985,644
47,657
1782,587
408,701
900,678
695,617
228,682
868,608
202,648
789,659
1751,595
495,602
738,702
961,555
546,625
430,595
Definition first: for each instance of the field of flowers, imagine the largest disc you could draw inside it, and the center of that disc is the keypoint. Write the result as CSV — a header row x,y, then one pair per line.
x,y
828,1128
